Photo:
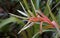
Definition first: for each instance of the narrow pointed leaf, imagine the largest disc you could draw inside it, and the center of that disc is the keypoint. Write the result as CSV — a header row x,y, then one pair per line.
x,y
25,27
22,13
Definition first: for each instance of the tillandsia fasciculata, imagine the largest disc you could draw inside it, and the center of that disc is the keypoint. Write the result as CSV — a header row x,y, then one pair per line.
x,y
37,17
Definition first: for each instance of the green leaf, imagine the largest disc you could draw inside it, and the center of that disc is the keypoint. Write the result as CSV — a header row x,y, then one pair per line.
x,y
37,4
51,14
28,7
6,21
46,11
58,16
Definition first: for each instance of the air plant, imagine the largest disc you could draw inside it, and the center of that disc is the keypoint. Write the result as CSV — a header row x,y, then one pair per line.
x,y
38,17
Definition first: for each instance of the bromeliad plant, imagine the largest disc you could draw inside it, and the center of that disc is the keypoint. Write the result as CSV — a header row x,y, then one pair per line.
x,y
39,17
35,16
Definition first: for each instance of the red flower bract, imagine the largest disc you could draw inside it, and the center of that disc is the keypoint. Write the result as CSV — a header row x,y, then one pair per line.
x,y
42,18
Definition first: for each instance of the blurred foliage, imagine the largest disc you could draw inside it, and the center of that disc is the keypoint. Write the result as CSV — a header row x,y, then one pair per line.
x,y
9,27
